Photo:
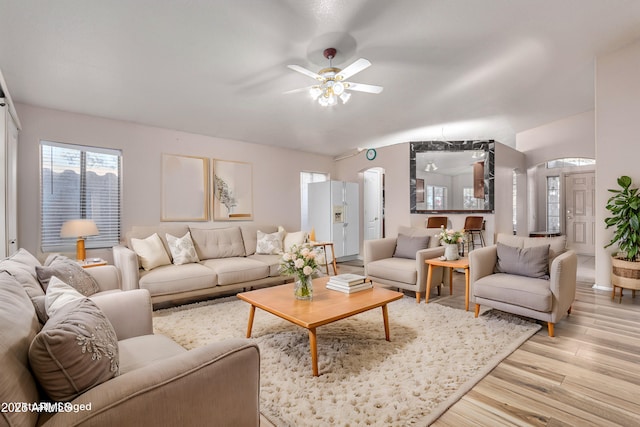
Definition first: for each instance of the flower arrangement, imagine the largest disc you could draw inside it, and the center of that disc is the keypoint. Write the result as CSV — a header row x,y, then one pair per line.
x,y
300,262
450,236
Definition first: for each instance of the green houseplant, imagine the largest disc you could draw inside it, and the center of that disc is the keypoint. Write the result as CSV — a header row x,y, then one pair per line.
x,y
624,206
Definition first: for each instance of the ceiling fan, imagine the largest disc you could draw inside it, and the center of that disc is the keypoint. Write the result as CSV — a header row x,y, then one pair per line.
x,y
332,82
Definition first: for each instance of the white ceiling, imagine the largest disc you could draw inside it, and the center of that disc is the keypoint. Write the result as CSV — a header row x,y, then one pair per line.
x,y
452,69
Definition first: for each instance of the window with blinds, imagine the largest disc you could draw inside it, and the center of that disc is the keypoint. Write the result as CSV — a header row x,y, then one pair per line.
x,y
79,182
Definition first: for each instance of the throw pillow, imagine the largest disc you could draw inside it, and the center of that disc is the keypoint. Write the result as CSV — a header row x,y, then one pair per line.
x,y
76,350
150,251
407,246
182,249
292,239
530,262
59,294
269,244
69,272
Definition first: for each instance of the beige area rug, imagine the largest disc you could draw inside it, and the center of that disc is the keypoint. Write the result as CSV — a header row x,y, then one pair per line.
x,y
435,356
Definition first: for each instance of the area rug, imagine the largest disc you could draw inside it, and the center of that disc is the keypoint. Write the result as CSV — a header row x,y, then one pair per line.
x,y
435,356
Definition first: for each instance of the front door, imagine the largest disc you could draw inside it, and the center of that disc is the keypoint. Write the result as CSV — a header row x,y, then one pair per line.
x,y
579,204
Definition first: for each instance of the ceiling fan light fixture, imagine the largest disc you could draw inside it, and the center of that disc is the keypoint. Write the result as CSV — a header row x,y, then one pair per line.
x,y
331,81
315,92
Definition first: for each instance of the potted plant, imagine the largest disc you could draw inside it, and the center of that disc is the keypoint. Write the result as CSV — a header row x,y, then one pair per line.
x,y
624,206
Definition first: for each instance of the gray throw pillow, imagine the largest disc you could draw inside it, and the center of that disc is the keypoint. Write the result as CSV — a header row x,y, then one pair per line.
x,y
76,350
70,273
407,246
530,262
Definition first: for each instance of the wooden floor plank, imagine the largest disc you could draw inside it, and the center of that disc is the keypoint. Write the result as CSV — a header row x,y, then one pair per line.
x,y
586,375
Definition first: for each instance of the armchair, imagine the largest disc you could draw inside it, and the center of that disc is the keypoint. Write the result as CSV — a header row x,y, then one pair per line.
x,y
548,300
383,265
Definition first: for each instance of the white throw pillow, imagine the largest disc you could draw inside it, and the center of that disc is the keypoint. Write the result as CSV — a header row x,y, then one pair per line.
x,y
182,249
269,244
150,251
58,294
296,238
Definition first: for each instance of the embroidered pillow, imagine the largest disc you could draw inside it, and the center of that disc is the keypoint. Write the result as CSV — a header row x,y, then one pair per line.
x,y
150,251
269,244
182,249
69,272
407,246
530,262
76,350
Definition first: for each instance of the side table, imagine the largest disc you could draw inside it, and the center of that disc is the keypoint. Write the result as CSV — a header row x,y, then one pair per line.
x,y
333,256
458,263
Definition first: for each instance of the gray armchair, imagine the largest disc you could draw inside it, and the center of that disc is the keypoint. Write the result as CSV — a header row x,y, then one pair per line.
x,y
548,300
401,271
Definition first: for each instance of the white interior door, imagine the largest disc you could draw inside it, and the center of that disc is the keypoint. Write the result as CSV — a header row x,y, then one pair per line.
x,y
579,205
372,204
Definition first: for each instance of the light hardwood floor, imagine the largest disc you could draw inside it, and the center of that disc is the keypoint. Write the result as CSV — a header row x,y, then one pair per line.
x,y
588,375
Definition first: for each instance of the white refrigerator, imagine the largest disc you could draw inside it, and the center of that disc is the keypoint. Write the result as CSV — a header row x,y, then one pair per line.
x,y
334,215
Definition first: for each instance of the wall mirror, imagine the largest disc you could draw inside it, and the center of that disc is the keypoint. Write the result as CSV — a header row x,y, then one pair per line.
x,y
451,176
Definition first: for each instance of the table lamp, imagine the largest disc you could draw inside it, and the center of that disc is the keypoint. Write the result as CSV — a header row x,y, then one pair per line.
x,y
79,228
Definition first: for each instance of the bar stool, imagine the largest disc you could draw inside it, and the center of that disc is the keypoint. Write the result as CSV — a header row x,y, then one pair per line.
x,y
437,221
473,226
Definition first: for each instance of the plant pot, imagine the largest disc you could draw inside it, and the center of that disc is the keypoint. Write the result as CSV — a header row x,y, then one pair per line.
x,y
625,274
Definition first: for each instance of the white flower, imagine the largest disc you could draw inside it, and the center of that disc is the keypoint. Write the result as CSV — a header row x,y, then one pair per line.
x,y
307,270
286,256
299,263
304,252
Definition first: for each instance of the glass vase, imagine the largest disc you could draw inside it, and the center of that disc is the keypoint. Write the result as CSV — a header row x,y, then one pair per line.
x,y
303,288
451,251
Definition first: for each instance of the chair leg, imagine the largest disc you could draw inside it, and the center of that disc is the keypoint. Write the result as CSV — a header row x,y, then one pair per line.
x,y
551,331
477,310
417,297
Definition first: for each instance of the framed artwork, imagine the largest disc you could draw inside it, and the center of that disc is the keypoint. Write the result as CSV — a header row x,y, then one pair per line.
x,y
232,190
185,188
419,190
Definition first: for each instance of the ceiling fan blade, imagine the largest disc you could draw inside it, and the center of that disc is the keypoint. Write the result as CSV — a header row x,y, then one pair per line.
x,y
354,68
302,89
360,87
305,72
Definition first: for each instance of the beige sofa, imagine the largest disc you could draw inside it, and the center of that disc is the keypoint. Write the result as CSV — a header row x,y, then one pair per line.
x,y
547,298
228,263
386,263
158,383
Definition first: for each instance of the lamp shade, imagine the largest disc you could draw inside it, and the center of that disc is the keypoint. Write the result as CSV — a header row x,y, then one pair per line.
x,y
79,228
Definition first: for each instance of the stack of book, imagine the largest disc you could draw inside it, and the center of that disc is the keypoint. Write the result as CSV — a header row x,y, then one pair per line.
x,y
349,283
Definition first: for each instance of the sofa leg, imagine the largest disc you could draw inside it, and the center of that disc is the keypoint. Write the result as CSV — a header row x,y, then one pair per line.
x,y
569,311
477,310
417,297
551,331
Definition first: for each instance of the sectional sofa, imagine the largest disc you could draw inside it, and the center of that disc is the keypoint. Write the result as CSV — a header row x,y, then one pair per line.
x,y
226,260
95,360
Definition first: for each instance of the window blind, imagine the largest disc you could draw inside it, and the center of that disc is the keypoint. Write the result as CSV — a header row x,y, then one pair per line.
x,y
79,182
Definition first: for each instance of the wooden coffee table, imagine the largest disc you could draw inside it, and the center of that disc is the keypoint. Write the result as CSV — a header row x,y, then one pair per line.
x,y
327,306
